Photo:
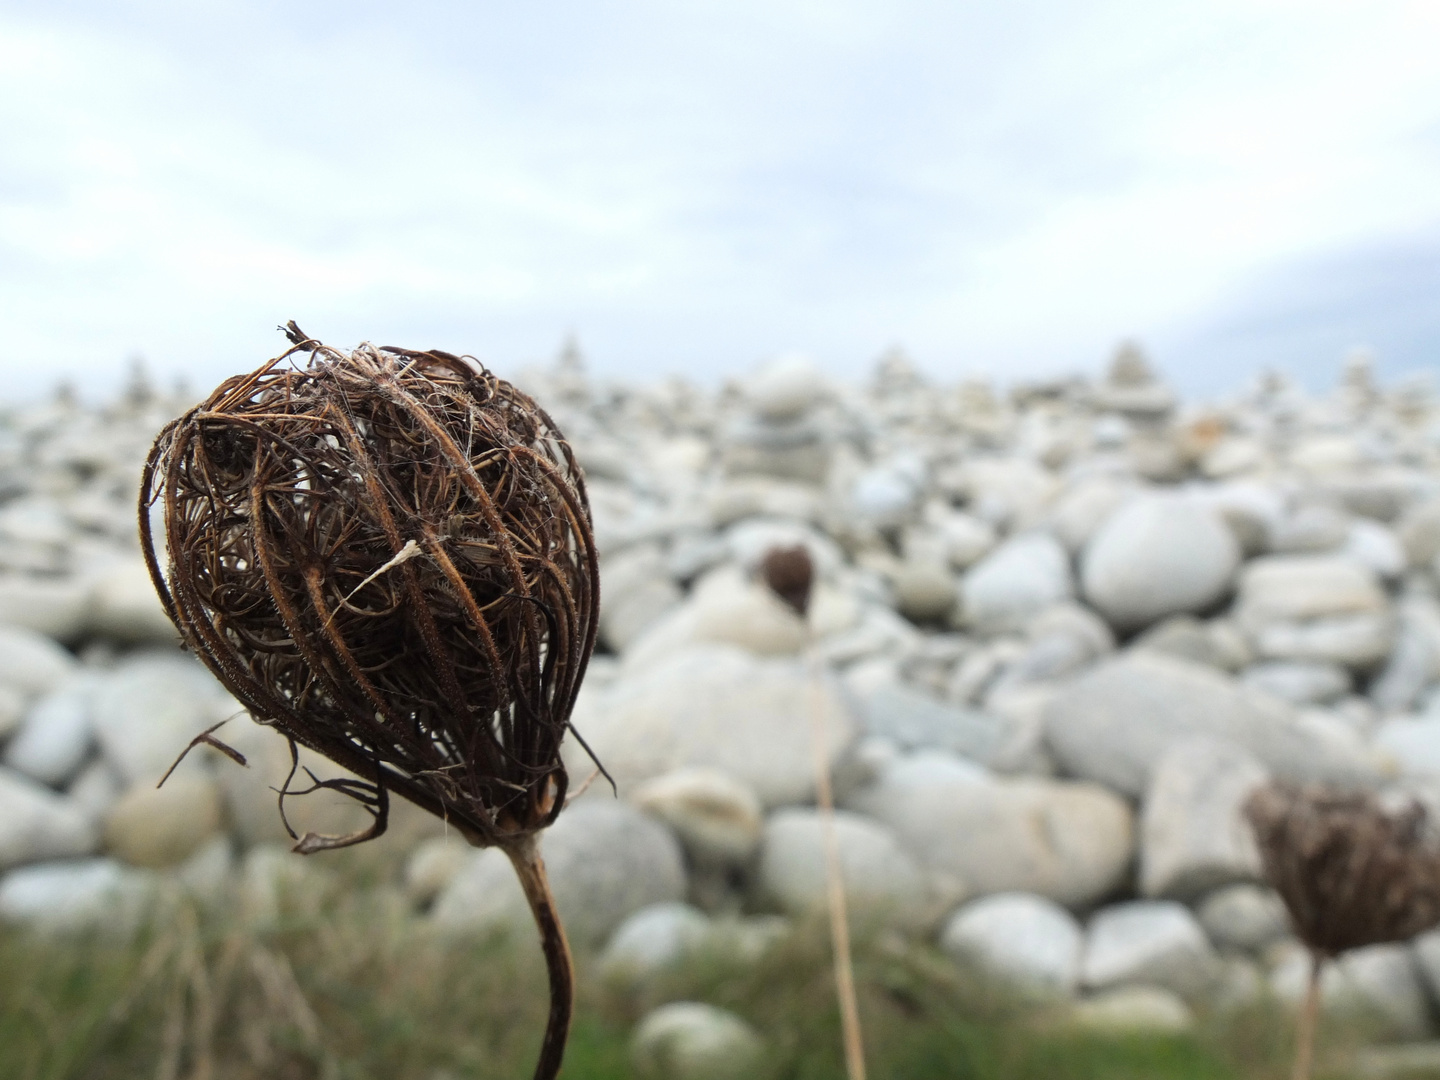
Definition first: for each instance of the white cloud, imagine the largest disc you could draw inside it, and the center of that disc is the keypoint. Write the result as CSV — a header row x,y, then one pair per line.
x,y
690,185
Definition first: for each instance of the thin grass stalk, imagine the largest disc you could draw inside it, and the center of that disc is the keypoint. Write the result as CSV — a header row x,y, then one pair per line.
x,y
1308,1020
834,881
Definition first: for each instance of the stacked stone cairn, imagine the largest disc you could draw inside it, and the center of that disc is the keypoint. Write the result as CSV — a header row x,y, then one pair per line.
x,y
1058,635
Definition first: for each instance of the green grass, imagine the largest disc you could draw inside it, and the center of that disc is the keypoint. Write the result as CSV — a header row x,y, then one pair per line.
x,y
348,985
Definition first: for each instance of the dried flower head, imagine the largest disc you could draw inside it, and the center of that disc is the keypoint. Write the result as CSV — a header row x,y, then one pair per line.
x,y
1350,871
387,556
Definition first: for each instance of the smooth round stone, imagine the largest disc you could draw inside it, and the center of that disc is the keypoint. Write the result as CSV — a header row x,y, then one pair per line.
x,y
37,825
433,865
31,663
605,860
652,940
1382,983
1299,682
924,591
785,387
125,607
1246,917
1158,556
54,608
56,736
158,827
1116,721
76,896
1015,582
714,706
1150,942
1028,941
148,709
1193,831
880,877
976,834
716,817
687,1040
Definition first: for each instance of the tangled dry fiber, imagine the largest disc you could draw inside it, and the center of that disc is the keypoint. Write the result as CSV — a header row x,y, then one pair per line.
x,y
1352,872
387,556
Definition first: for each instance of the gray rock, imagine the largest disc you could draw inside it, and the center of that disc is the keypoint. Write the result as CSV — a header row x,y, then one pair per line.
x,y
56,735
1246,917
1377,547
716,817
1299,682
50,607
95,790
1158,556
1011,493
1067,841
785,387
1019,579
1413,745
1193,832
1084,507
1414,662
1314,607
605,860
636,591
1028,941
31,663
249,794
12,710
76,896
881,878
432,866
1313,528
149,709
37,825
125,607
1380,982
1133,1010
1149,942
1217,643
158,827
1427,957
924,590
1419,533
687,1040
964,538
719,707
652,940
1114,723
885,495
916,721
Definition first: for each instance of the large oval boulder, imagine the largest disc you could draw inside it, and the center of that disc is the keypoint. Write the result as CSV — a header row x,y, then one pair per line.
x,y
1157,556
1115,722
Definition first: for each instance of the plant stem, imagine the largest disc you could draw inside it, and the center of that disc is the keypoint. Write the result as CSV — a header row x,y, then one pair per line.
x,y
835,884
1309,1013
530,869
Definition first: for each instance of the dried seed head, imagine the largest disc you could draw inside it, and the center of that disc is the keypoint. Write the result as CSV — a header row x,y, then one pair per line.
x,y
1350,871
387,556
790,572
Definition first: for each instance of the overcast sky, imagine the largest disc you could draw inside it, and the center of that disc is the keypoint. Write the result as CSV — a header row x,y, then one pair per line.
x,y
1000,188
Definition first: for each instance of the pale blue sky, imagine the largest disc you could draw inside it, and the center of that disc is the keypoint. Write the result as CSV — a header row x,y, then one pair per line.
x,y
690,187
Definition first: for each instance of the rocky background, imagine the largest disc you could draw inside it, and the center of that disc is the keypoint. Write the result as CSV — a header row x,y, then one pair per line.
x,y
1059,633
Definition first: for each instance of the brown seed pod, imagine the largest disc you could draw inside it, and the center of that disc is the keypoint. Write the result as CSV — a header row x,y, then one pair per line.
x,y
1351,873
387,556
